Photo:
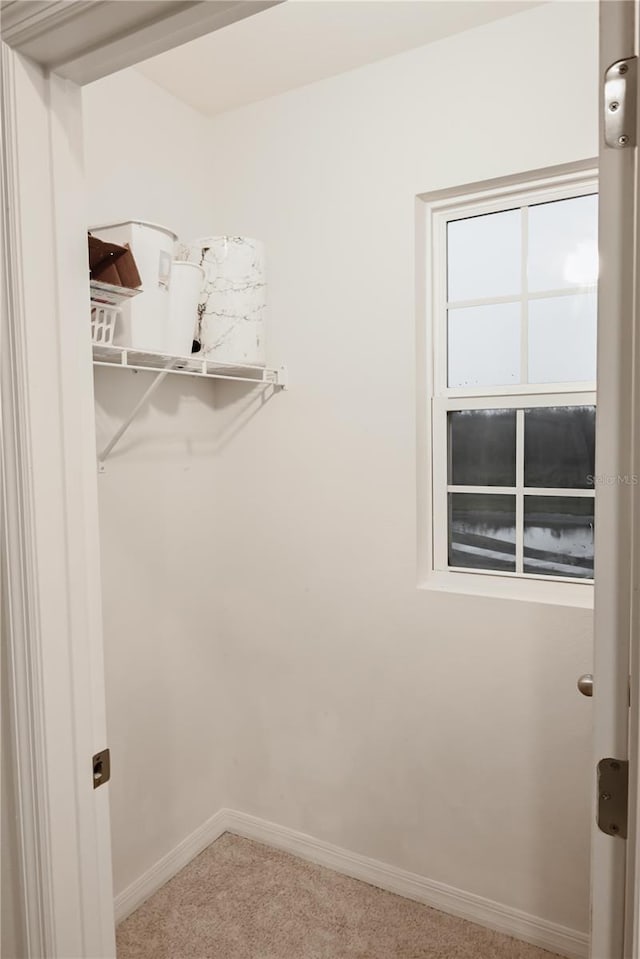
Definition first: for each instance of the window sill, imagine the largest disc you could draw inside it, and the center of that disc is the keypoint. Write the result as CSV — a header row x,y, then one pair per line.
x,y
550,593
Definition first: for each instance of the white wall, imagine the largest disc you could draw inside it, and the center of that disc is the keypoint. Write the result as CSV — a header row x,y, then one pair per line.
x,y
440,733
145,155
262,618
166,687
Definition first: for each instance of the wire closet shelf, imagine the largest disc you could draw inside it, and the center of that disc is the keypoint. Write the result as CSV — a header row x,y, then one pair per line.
x,y
163,365
130,359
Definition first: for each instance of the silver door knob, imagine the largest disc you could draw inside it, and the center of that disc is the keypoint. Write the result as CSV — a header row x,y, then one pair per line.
x,y
585,684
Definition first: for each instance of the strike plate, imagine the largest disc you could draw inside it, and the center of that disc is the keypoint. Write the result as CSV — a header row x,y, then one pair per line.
x,y
101,768
613,792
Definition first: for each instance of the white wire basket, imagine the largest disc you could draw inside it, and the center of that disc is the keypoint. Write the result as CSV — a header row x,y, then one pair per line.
x,y
103,323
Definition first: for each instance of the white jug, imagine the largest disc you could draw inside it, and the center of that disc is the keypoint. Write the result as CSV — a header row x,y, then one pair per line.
x,y
187,283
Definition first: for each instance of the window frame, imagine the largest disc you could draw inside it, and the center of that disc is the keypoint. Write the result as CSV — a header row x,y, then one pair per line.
x,y
436,399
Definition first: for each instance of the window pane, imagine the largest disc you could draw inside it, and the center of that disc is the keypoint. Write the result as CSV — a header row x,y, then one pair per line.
x,y
484,345
558,536
563,244
482,531
483,256
482,446
562,339
559,447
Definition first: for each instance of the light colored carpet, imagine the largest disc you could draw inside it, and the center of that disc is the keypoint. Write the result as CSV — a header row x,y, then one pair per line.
x,y
242,900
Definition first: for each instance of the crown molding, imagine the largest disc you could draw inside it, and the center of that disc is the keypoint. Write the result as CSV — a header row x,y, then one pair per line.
x,y
83,40
23,22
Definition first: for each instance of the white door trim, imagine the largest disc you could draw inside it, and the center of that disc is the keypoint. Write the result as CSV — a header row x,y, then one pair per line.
x,y
21,638
50,539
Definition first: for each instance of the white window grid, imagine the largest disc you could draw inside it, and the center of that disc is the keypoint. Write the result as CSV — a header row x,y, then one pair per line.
x,y
521,396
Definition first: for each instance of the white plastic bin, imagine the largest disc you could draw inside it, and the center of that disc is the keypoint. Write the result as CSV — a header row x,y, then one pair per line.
x,y
234,304
187,282
143,322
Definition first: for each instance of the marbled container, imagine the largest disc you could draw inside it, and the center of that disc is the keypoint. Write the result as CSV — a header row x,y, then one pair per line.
x,y
234,302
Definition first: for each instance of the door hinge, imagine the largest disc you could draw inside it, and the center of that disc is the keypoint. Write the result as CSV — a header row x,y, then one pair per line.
x,y
613,796
101,768
620,97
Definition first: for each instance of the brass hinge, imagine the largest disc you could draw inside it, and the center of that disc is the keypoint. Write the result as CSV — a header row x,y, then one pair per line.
x,y
613,796
101,768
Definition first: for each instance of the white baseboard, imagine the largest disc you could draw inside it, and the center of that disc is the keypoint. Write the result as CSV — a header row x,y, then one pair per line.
x,y
438,895
171,864
455,902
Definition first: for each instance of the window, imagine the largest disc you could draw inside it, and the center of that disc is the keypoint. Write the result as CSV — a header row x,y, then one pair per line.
x,y
512,314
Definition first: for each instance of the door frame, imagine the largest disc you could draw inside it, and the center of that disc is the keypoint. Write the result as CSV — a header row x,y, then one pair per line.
x,y
52,629
53,643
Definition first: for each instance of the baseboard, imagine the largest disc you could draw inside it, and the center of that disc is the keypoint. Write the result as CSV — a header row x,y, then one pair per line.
x,y
455,902
167,867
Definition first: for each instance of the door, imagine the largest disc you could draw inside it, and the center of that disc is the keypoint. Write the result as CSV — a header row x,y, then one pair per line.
x,y
616,578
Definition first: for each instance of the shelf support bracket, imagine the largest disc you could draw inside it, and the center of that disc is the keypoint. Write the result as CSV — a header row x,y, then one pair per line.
x,y
122,429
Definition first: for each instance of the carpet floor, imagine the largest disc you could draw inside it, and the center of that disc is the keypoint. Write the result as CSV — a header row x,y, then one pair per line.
x,y
242,900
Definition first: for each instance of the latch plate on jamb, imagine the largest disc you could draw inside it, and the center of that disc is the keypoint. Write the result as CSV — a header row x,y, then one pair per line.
x,y
101,768
620,96
613,791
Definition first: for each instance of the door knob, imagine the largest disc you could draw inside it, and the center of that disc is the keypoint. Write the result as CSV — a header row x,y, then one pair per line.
x,y
585,684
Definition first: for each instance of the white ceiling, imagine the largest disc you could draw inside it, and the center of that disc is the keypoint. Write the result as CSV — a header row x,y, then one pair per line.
x,y
301,41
